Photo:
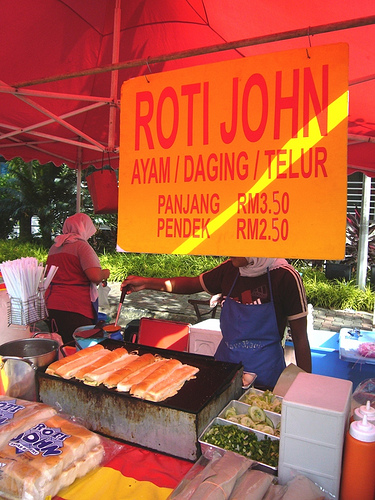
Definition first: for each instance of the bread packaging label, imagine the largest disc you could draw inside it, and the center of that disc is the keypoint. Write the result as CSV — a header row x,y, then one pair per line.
x,y
40,440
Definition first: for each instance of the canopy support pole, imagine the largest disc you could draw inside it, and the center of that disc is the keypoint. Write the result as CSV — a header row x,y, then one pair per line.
x,y
247,42
79,179
363,233
114,76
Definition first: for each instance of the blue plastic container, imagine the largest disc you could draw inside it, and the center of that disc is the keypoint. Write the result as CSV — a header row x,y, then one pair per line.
x,y
82,342
103,317
325,359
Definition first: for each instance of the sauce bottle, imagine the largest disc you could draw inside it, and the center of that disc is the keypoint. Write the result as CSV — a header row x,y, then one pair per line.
x,y
365,410
358,468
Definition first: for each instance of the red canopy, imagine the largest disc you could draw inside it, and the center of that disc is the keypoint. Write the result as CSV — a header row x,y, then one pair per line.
x,y
59,93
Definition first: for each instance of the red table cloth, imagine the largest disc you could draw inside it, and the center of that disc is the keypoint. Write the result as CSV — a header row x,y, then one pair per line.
x,y
134,473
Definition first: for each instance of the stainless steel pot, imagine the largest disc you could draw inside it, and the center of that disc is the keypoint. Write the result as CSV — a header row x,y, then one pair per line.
x,y
20,361
41,352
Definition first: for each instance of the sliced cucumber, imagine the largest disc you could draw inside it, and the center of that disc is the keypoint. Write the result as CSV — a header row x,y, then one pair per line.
x,y
246,421
265,428
269,422
257,414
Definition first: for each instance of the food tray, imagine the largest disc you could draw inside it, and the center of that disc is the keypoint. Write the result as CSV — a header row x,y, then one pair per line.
x,y
208,448
244,408
260,393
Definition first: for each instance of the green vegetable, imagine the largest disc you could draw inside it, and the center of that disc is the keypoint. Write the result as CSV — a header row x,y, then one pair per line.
x,y
257,414
269,422
231,412
266,400
233,438
264,425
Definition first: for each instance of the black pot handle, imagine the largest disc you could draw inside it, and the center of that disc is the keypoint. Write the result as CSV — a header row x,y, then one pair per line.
x,y
42,333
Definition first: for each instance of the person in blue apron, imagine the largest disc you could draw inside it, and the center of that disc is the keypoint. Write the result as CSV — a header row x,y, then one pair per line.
x,y
261,297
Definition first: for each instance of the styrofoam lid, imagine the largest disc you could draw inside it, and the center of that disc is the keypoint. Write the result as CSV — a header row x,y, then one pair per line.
x,y
319,391
210,324
363,430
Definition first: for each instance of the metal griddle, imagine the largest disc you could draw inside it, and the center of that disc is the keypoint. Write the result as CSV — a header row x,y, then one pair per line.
x,y
172,426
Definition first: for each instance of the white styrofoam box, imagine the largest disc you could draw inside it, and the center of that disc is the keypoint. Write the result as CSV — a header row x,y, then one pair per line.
x,y
204,337
315,417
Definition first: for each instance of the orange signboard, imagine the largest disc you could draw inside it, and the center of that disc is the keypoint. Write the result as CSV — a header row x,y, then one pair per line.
x,y
242,157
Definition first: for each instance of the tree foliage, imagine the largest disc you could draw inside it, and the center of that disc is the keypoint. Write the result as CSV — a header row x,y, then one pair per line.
x,y
31,189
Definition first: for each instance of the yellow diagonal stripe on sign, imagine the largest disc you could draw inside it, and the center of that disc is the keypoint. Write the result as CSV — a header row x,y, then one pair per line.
x,y
337,112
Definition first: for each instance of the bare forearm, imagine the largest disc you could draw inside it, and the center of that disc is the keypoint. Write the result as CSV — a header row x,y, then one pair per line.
x,y
301,344
303,358
96,274
181,285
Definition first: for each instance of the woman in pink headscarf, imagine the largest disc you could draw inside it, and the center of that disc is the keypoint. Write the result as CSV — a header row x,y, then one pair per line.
x,y
72,295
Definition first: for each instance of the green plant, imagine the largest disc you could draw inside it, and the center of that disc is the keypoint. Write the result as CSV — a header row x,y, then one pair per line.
x,y
320,291
156,265
13,249
334,294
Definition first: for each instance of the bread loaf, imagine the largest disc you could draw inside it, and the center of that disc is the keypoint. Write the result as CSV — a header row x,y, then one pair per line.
x,y
108,359
51,369
117,376
97,376
170,386
161,373
70,369
17,415
44,458
126,383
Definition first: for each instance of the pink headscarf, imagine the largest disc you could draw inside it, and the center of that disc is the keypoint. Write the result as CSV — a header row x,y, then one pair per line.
x,y
258,265
76,227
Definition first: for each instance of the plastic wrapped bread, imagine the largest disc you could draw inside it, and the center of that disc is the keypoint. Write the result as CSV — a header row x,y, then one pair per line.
x,y
275,492
252,485
17,415
302,487
216,480
47,457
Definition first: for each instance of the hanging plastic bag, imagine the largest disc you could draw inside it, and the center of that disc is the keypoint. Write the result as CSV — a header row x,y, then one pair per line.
x,y
103,292
103,188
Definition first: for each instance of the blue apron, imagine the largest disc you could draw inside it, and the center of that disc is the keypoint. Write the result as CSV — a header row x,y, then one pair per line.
x,y
251,336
